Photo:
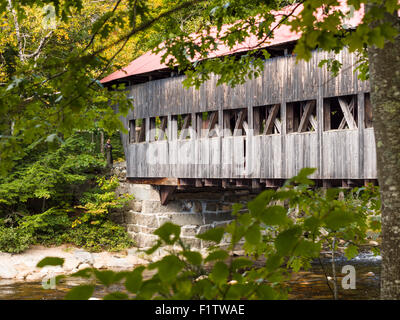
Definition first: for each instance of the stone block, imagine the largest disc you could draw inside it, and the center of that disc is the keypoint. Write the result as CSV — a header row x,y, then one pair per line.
x,y
147,220
220,216
204,228
143,192
192,242
206,244
211,206
217,224
182,219
133,228
224,207
198,196
123,188
143,229
157,207
143,240
189,231
135,205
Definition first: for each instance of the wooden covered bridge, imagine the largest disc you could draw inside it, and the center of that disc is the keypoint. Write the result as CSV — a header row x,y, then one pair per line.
x,y
255,135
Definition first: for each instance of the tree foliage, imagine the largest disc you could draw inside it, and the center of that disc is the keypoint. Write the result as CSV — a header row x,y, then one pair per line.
x,y
61,195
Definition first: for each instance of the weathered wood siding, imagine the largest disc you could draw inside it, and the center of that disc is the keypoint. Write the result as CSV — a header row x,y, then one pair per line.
x,y
338,154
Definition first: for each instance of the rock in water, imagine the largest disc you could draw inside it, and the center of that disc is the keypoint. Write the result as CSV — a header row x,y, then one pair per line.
x,y
7,272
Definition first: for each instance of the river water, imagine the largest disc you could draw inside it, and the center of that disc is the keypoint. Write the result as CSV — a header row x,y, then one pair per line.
x,y
310,284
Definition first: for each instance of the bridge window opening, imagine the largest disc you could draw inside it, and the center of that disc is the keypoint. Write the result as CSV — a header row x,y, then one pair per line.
x,y
207,124
184,126
267,119
137,130
368,111
340,113
235,122
301,116
158,128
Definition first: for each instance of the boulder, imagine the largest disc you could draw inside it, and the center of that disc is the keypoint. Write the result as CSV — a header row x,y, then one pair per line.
x,y
7,272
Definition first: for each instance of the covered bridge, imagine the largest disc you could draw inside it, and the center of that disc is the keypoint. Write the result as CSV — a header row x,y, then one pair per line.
x,y
255,135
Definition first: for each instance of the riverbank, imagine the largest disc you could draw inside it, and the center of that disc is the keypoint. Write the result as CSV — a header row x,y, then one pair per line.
x,y
22,266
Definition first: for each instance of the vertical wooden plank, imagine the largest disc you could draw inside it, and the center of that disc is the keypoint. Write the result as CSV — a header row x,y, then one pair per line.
x,y
285,75
320,130
290,118
361,114
256,120
249,156
193,131
327,114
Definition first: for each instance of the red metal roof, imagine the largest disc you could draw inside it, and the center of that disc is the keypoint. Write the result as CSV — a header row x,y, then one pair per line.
x,y
149,61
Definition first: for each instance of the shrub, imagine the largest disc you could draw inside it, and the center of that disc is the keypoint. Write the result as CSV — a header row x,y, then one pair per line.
x,y
14,240
106,236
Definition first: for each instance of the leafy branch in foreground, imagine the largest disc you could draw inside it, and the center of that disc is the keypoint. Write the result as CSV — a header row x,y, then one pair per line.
x,y
280,231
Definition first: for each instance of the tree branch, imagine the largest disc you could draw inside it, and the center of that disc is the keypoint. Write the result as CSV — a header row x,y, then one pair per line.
x,y
17,31
98,30
42,43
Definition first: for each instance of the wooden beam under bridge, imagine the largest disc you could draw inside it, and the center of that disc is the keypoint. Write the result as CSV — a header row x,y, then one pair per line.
x,y
249,183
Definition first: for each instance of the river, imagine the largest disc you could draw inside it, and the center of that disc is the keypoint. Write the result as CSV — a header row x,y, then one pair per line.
x,y
310,284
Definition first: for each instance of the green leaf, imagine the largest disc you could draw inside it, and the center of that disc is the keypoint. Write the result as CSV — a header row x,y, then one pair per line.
x,y
149,288
116,296
307,248
351,251
193,257
253,235
266,292
332,193
105,277
219,273
83,292
134,279
296,264
312,224
245,219
287,240
273,262
274,215
169,267
50,261
302,177
153,248
168,232
338,219
258,204
237,291
236,207
376,251
214,235
217,255
84,273
240,263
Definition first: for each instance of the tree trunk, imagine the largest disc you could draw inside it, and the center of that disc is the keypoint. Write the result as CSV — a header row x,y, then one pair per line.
x,y
385,97
102,141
